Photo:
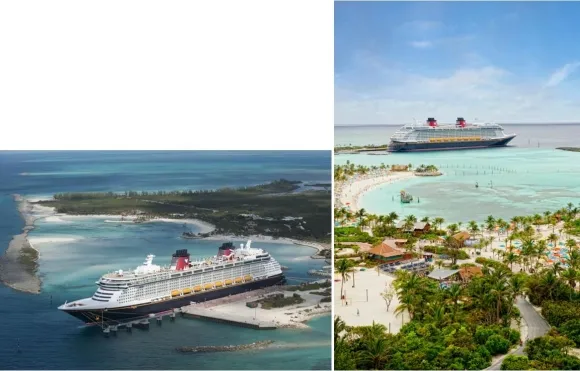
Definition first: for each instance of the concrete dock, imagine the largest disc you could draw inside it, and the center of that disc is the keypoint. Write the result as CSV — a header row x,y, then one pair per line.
x,y
194,311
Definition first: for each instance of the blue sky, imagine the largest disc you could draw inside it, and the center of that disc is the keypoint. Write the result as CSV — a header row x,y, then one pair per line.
x,y
495,61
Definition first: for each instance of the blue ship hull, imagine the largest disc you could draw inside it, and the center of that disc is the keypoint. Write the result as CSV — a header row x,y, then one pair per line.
x,y
396,146
114,316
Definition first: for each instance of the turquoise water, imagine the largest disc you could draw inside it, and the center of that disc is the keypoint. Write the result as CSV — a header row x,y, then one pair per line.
x,y
35,335
512,181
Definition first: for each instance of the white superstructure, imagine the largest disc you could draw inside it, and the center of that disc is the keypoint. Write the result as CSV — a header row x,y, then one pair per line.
x,y
151,284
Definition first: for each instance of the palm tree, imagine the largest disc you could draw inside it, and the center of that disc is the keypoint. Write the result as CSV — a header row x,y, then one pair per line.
x,y
438,222
374,352
339,326
360,214
410,221
343,267
473,227
571,276
553,238
454,292
452,228
392,217
511,258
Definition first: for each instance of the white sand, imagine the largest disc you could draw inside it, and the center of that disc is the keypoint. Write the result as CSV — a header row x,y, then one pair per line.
x,y
38,240
270,239
204,226
347,194
374,309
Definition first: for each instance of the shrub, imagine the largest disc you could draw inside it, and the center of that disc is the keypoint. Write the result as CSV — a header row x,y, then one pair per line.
x,y
497,344
559,312
572,330
512,362
482,334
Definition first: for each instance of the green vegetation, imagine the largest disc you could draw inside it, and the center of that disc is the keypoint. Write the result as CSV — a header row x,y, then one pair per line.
x,y
326,292
309,286
261,209
571,149
29,259
550,352
558,313
426,169
463,326
367,148
276,301
457,328
353,234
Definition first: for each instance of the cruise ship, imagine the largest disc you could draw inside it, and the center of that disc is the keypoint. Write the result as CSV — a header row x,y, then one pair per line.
x,y
435,137
124,296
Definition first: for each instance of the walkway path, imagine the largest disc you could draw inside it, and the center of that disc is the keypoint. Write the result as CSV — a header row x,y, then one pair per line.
x,y
537,327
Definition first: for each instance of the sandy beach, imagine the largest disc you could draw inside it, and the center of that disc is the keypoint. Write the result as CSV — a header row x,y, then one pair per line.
x,y
260,238
357,310
348,193
18,265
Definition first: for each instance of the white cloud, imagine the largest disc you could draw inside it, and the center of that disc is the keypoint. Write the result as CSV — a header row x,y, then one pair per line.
x,y
421,44
488,93
421,25
562,74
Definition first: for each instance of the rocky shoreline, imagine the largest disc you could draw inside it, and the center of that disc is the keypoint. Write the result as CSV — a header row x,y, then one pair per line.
x,y
19,264
225,348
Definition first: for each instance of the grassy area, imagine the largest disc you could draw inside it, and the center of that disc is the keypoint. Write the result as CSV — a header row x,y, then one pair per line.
x,y
29,259
367,148
276,301
309,286
262,209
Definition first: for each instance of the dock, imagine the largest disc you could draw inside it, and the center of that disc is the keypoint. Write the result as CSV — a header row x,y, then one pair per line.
x,y
194,311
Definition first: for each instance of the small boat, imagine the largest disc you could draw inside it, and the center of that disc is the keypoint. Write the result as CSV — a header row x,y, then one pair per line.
x,y
406,197
476,185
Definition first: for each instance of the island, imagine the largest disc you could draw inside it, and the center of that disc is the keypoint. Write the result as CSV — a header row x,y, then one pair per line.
x,y
570,149
271,209
282,209
360,149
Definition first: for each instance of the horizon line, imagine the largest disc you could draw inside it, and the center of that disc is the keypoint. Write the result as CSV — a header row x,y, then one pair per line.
x,y
499,123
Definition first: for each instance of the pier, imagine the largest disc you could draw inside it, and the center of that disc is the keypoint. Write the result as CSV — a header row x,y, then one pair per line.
x,y
194,311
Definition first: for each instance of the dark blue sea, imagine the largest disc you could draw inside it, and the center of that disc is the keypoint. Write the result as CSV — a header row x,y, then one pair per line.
x,y
75,251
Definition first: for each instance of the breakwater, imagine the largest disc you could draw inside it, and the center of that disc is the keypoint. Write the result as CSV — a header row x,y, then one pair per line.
x,y
225,348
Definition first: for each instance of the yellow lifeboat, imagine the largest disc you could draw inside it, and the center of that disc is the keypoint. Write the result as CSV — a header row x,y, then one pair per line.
x,y
219,284
175,293
208,286
247,277
197,288
238,279
229,282
186,291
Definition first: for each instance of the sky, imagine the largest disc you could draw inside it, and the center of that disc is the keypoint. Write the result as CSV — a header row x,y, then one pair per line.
x,y
506,62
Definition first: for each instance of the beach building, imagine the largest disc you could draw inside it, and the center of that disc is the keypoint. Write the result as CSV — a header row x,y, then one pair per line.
x,y
418,229
461,237
390,250
467,273
399,167
444,275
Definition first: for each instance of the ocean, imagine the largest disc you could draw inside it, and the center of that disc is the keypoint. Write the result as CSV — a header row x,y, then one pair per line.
x,y
76,251
529,176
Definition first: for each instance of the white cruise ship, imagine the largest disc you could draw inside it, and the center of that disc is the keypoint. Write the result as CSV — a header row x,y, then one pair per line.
x,y
435,137
124,296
